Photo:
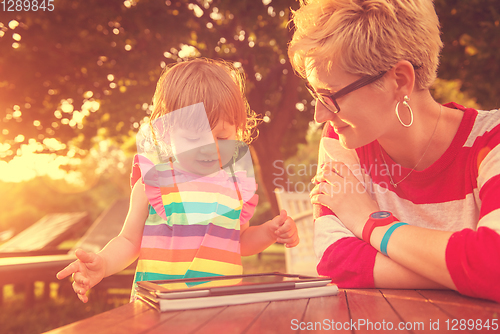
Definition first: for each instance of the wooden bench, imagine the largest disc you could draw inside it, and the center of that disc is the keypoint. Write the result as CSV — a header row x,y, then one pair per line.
x,y
43,237
300,259
26,270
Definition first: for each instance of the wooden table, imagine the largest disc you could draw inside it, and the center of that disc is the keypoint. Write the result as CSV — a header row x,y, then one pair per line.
x,y
352,311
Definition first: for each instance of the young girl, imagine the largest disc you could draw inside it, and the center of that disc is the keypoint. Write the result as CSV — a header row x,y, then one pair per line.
x,y
189,214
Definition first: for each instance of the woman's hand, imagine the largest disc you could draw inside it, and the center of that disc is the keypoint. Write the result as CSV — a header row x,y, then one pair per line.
x,y
338,189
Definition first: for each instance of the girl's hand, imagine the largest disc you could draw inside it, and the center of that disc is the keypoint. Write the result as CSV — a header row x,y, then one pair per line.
x,y
284,230
338,189
87,271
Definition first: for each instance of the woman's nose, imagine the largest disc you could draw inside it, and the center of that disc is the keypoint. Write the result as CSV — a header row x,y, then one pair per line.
x,y
321,113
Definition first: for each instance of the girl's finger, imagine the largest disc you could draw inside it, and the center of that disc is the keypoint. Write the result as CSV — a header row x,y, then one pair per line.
x,y
286,235
293,244
83,298
70,269
79,290
81,279
285,226
289,236
84,256
292,241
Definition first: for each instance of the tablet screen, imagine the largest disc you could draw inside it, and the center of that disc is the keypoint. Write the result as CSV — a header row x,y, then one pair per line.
x,y
227,284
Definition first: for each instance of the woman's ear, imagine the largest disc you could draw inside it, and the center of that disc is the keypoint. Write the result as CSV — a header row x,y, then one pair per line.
x,y
404,76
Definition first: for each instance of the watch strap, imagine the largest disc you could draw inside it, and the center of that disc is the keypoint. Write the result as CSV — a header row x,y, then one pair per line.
x,y
373,222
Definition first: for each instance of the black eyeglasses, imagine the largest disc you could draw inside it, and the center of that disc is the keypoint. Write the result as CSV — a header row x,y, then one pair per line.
x,y
330,101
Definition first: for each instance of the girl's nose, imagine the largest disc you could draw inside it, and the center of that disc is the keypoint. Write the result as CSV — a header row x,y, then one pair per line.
x,y
321,113
209,148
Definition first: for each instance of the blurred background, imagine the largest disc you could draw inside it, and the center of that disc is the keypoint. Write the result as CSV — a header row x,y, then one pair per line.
x,y
76,82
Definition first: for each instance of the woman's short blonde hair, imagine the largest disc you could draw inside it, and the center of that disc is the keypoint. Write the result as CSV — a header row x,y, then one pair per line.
x,y
215,83
365,37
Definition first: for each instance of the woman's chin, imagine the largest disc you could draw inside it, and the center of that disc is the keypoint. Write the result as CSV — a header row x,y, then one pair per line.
x,y
350,142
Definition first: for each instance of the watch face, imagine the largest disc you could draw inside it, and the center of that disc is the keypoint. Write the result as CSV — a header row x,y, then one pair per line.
x,y
381,215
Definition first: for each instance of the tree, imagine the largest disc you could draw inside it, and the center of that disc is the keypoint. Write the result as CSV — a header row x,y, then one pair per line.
x,y
88,69
471,36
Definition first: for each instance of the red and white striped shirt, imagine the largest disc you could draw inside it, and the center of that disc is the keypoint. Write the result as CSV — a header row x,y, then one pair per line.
x,y
460,192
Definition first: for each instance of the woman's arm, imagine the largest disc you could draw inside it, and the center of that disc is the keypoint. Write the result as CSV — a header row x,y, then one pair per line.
x,y
425,252
353,263
419,261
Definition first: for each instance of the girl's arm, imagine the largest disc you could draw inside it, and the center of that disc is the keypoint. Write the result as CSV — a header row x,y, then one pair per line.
x,y
120,252
254,239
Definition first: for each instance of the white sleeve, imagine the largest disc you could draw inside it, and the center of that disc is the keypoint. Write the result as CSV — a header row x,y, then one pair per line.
x,y
328,230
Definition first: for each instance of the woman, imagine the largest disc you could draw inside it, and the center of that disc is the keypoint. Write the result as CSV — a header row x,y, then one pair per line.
x,y
407,193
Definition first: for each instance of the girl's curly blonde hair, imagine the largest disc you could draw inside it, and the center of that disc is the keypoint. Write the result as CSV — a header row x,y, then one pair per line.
x,y
215,83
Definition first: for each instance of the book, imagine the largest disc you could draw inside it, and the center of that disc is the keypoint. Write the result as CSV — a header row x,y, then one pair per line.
x,y
229,285
164,305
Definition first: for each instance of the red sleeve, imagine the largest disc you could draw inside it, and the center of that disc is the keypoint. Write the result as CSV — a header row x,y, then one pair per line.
x,y
248,209
136,172
473,260
349,262
489,196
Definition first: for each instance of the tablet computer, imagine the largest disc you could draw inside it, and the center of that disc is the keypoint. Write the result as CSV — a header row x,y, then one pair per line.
x,y
228,285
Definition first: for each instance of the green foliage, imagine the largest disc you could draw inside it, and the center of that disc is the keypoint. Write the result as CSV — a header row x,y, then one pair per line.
x,y
300,168
471,36
29,201
449,91
89,68
55,80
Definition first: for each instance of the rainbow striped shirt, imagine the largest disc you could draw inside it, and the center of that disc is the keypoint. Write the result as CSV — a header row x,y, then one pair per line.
x,y
193,227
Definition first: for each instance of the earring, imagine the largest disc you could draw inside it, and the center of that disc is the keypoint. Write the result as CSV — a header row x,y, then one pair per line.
x,y
405,103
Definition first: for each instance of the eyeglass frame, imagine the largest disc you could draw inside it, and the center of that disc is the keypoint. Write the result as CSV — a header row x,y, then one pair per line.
x,y
364,81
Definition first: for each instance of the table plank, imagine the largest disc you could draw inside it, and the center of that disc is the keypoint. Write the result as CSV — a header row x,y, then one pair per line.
x,y
187,321
417,313
370,311
146,321
234,319
349,306
461,310
325,310
277,317
104,322
454,298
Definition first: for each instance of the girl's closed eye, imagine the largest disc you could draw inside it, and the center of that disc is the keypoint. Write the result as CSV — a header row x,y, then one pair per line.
x,y
192,140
